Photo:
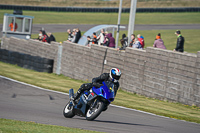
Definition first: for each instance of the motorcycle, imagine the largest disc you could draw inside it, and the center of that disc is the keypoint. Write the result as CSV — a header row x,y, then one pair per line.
x,y
91,103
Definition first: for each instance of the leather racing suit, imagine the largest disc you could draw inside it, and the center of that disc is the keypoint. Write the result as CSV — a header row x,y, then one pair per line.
x,y
97,82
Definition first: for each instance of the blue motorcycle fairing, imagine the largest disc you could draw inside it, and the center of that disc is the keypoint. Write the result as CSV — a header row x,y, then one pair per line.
x,y
80,108
106,91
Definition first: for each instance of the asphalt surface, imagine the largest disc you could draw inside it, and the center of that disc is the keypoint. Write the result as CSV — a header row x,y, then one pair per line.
x,y
26,103
63,27
83,27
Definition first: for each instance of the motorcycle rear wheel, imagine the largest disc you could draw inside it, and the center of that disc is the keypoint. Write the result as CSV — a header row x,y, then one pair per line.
x,y
68,110
94,112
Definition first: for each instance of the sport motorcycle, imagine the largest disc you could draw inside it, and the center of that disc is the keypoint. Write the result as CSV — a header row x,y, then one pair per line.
x,y
91,103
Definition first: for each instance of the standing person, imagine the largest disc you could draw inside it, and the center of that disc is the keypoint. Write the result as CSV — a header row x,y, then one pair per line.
x,y
107,41
124,42
74,37
94,39
180,42
11,25
141,39
112,40
40,35
69,35
132,40
106,33
78,35
101,37
44,36
158,43
137,44
89,43
50,37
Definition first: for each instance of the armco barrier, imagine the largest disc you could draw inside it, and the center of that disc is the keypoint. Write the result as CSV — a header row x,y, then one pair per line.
x,y
152,72
86,9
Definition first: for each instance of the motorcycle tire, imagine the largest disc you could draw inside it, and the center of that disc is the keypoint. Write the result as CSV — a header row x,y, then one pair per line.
x,y
94,112
68,110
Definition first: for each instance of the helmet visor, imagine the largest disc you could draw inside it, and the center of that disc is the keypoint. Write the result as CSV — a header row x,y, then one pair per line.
x,y
115,77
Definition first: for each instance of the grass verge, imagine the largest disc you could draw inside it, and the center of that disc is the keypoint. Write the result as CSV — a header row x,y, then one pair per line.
x,y
13,126
42,17
62,83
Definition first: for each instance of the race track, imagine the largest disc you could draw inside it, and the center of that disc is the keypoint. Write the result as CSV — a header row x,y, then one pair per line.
x,y
83,27
28,103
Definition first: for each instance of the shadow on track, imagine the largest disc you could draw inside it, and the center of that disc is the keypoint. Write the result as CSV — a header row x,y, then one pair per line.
x,y
117,122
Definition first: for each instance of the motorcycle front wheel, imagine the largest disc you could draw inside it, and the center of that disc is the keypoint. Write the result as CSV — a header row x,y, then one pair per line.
x,y
95,111
68,110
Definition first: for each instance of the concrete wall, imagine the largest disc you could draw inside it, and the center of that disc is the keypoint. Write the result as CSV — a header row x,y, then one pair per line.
x,y
155,73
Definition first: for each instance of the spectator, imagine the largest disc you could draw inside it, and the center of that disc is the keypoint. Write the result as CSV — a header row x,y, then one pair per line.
x,y
106,33
69,35
78,35
132,40
141,39
112,40
74,37
124,42
137,44
107,41
180,42
101,37
11,25
94,39
42,36
89,41
50,38
158,43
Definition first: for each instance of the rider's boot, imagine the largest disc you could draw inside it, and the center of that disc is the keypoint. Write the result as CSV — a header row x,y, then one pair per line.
x,y
77,95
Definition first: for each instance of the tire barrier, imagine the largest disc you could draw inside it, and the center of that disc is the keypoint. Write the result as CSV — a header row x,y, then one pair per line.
x,y
85,9
27,61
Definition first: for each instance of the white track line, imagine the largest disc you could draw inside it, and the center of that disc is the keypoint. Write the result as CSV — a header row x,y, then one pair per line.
x,y
110,104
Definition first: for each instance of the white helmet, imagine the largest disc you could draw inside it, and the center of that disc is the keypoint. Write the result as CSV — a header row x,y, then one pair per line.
x,y
115,74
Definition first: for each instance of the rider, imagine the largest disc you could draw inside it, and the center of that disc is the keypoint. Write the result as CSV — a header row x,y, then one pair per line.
x,y
113,76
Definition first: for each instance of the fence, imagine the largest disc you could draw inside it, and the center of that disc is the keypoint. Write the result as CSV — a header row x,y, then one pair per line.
x,y
155,73
103,9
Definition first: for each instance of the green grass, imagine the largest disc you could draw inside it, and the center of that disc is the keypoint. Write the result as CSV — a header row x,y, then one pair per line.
x,y
62,83
108,18
13,126
191,44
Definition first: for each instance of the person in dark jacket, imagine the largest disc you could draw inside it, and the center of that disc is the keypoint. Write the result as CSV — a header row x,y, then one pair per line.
x,y
50,38
113,76
94,38
78,35
132,40
180,42
107,42
42,36
124,42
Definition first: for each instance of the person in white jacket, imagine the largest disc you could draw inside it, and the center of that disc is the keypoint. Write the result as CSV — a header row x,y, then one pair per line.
x,y
101,37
